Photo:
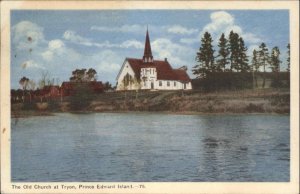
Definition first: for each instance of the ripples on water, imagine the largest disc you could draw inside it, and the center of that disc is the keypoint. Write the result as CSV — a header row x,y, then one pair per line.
x,y
150,147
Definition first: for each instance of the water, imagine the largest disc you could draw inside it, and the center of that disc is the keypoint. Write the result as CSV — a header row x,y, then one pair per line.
x,y
145,147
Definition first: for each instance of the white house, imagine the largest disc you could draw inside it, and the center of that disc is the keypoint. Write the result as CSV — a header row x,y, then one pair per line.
x,y
147,73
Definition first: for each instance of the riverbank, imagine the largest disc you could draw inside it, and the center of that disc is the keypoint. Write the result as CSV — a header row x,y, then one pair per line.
x,y
269,101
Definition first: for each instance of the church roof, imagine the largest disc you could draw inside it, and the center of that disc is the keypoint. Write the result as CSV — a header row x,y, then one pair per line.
x,y
163,69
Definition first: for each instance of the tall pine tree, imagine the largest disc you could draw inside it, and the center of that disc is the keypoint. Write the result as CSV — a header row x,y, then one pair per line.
x,y
205,57
263,60
242,56
275,67
255,65
234,50
288,58
223,54
275,61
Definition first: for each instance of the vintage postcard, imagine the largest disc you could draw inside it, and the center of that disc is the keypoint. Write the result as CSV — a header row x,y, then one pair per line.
x,y
150,97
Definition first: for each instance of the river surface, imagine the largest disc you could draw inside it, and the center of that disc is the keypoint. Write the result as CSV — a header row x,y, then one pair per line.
x,y
129,147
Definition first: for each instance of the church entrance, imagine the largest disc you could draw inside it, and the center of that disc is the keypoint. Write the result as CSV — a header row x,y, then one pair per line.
x,y
152,85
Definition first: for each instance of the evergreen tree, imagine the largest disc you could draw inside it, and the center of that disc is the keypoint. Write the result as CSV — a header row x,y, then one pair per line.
x,y
255,64
288,58
223,54
234,50
242,56
263,60
275,67
275,61
205,57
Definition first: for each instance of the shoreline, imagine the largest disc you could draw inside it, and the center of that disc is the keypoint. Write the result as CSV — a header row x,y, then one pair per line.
x,y
27,114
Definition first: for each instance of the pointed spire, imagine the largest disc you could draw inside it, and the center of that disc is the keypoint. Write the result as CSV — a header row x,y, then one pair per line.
x,y
147,51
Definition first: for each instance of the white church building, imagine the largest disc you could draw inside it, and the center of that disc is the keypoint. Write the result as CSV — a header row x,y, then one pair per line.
x,y
150,74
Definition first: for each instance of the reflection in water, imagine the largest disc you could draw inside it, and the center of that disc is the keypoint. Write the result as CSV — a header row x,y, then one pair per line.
x,y
151,147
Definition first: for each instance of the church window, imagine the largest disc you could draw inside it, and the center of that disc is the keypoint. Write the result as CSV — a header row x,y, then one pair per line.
x,y
168,83
160,83
145,84
174,83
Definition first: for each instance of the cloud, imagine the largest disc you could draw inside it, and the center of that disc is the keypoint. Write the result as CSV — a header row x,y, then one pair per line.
x,y
56,44
222,22
252,38
27,35
177,29
31,64
73,37
135,28
57,49
141,29
126,44
177,54
219,20
77,39
106,61
132,43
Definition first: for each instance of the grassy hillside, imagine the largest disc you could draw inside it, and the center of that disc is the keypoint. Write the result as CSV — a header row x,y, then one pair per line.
x,y
244,101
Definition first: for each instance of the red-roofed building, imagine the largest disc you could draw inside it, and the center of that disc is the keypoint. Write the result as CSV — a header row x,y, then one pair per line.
x,y
147,73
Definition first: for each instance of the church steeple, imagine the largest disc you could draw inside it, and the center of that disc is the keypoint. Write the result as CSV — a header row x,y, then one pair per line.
x,y
147,58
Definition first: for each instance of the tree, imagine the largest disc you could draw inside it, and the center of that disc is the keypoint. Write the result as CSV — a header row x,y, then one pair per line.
x,y
42,81
234,50
255,64
205,57
91,75
223,54
127,81
82,75
24,83
78,75
263,60
288,57
45,80
242,56
107,86
275,66
31,85
82,97
275,61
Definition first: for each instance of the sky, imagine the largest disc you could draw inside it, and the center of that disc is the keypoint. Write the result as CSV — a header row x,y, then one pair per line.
x,y
62,41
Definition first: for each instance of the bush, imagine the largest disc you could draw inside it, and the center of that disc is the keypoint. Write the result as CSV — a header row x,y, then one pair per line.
x,y
82,97
224,81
